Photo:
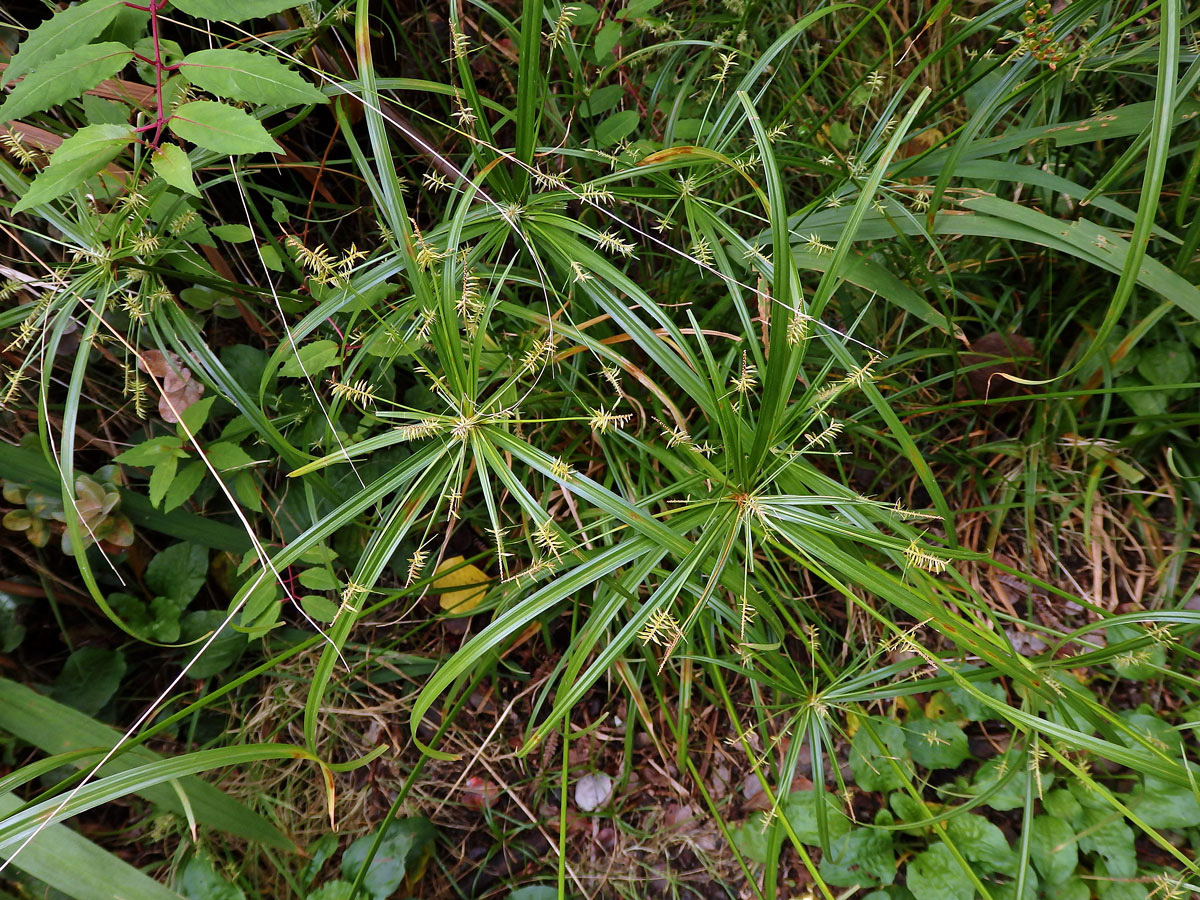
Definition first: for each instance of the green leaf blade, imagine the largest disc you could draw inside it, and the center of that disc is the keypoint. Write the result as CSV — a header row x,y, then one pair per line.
x,y
171,163
242,75
233,12
222,128
64,78
64,31
78,158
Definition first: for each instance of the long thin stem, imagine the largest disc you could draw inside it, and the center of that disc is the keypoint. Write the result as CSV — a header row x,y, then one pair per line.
x,y
160,117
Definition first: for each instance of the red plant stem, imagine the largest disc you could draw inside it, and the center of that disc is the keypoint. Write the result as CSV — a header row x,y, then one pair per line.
x,y
160,117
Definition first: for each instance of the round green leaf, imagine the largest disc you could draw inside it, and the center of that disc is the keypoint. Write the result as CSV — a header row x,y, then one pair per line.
x,y
89,679
1053,849
936,875
937,744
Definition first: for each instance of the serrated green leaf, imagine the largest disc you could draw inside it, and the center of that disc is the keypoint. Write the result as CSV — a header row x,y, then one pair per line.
x,y
64,78
615,127
171,163
76,160
225,455
243,75
152,452
63,31
246,491
233,12
221,128
186,481
259,600
104,112
161,478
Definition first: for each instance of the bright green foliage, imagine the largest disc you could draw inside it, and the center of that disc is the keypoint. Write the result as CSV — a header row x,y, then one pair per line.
x,y
982,843
1053,849
665,315
65,31
253,77
65,77
936,875
875,767
221,128
403,845
800,808
311,359
77,159
239,12
172,163
936,743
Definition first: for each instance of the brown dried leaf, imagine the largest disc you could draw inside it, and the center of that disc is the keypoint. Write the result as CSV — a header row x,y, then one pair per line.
x,y
179,389
1005,355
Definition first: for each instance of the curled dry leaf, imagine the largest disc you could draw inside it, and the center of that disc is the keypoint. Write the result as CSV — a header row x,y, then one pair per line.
x,y
179,389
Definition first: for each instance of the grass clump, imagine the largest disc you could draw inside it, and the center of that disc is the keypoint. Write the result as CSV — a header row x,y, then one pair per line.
x,y
718,451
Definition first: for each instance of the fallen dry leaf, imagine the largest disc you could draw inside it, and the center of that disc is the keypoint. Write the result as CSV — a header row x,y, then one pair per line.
x,y
460,589
179,389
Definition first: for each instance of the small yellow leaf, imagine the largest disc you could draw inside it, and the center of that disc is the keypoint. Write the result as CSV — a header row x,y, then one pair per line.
x,y
461,585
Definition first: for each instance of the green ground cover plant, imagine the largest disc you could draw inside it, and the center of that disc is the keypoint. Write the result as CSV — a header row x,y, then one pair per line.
x,y
529,450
